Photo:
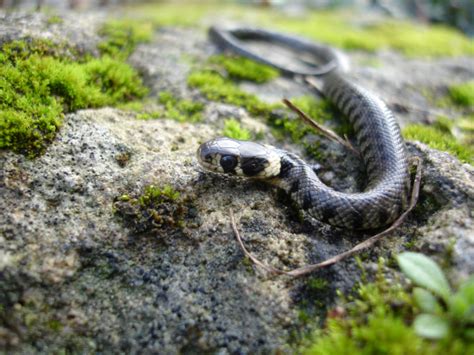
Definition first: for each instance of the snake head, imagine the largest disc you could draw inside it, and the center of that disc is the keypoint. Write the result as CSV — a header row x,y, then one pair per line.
x,y
241,158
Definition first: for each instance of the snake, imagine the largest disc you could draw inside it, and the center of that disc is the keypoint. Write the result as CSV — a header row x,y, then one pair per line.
x,y
377,135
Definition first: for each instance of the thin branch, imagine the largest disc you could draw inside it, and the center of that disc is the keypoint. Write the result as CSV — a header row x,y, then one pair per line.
x,y
323,130
357,248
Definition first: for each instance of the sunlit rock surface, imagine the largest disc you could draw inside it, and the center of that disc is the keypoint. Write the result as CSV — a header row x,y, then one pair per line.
x,y
74,277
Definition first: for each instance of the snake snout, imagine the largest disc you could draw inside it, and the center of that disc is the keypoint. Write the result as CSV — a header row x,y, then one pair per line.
x,y
211,153
204,154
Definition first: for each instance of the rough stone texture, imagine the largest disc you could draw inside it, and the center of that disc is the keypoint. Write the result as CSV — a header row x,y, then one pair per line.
x,y
166,64
73,277
78,31
448,191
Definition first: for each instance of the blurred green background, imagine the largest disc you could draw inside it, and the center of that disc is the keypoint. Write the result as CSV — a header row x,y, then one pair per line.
x,y
456,13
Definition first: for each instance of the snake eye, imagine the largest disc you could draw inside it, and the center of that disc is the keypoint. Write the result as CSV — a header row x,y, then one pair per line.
x,y
228,163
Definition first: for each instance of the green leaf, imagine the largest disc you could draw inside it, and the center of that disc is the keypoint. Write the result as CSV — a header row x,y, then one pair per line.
x,y
426,301
424,272
431,326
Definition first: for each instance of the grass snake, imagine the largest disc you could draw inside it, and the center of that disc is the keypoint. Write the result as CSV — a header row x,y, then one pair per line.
x,y
377,134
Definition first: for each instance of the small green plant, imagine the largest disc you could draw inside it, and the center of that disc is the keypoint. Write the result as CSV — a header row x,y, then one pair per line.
x,y
462,94
54,20
122,36
217,88
154,194
378,317
40,82
241,68
233,129
156,210
444,312
439,139
179,109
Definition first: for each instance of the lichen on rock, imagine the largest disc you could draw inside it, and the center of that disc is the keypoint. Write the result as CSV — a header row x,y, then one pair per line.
x,y
75,275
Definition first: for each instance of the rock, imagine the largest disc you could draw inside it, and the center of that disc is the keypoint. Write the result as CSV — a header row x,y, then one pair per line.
x,y
165,64
77,31
447,201
74,276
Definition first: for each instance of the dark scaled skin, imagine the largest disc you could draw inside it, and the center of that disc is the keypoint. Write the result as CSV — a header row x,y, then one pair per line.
x,y
378,136
383,151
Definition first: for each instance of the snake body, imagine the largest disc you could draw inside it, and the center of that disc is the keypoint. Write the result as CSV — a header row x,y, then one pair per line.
x,y
378,137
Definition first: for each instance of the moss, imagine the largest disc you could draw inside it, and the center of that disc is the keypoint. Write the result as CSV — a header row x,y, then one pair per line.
x,y
443,124
179,109
440,140
241,68
122,36
158,209
154,194
55,325
321,111
54,20
377,320
462,94
233,129
339,29
116,80
38,84
333,27
317,284
217,88
466,129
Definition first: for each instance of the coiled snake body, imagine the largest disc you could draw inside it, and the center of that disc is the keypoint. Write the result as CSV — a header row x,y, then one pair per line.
x,y
377,134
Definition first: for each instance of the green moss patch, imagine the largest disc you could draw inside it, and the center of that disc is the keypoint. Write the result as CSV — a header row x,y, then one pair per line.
x,y
156,210
321,111
241,68
233,129
38,85
439,139
462,94
466,125
55,20
174,108
368,323
217,88
122,36
377,319
40,82
179,109
337,28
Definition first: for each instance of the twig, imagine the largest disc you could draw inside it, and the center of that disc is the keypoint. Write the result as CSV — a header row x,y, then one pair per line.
x,y
323,130
361,246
